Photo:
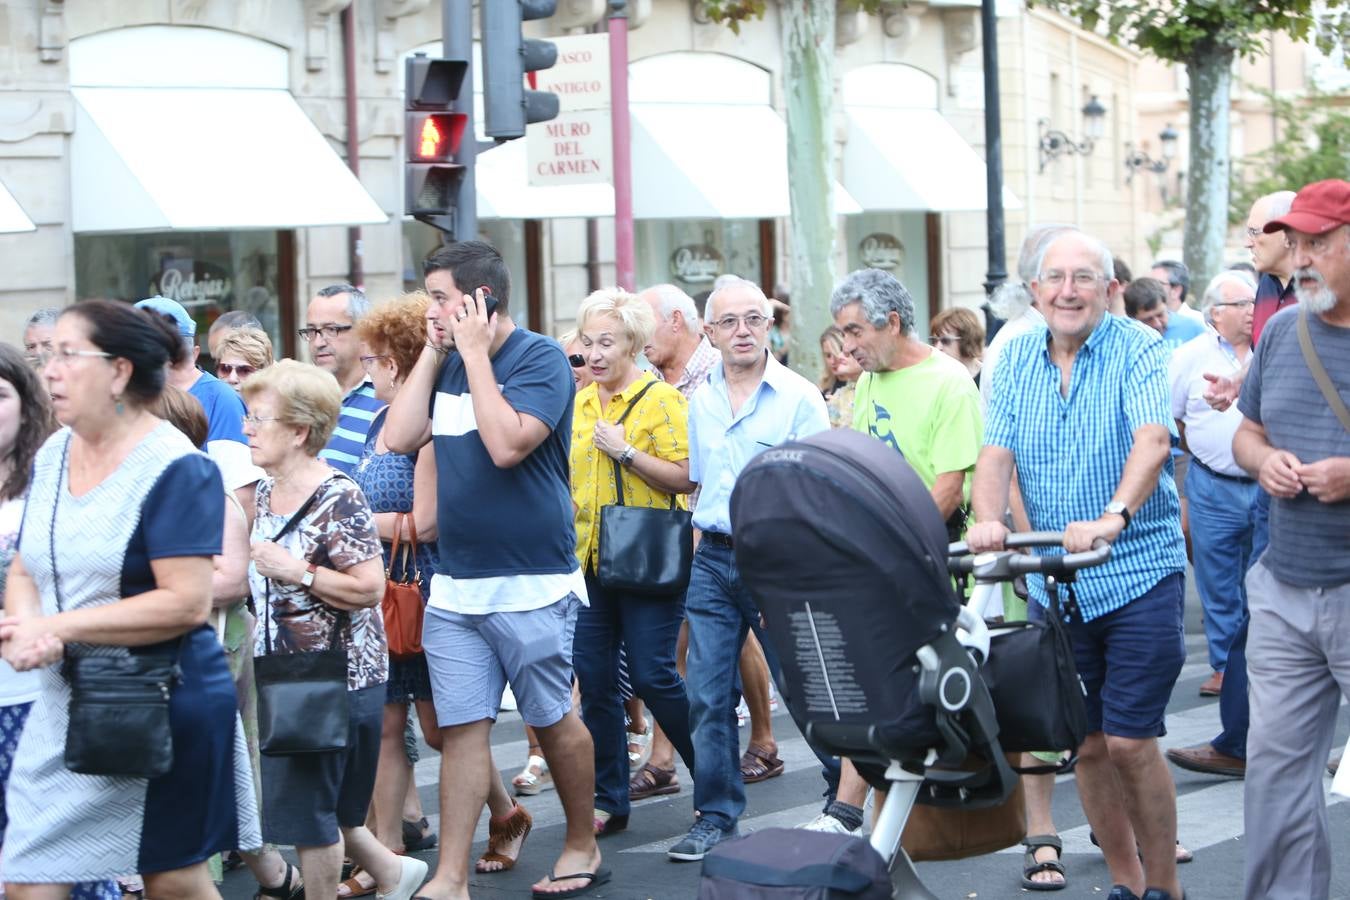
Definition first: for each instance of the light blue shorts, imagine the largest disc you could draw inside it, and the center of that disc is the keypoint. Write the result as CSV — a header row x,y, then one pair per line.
x,y
471,659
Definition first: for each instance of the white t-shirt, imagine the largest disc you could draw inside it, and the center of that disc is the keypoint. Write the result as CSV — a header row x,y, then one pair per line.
x,y
15,687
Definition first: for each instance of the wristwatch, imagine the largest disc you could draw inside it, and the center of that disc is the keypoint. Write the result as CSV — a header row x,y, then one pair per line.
x,y
1116,508
307,580
626,457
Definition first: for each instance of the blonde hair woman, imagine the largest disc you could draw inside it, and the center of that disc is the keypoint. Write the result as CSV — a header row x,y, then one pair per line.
x,y
240,353
652,448
324,575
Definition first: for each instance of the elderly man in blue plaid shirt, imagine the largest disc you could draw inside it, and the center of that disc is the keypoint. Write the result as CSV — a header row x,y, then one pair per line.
x,y
1082,411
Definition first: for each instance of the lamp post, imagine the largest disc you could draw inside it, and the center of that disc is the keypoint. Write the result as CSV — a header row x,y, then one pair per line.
x,y
1138,159
993,156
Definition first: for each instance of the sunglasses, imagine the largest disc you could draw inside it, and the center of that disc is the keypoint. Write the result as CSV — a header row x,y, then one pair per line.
x,y
224,370
577,361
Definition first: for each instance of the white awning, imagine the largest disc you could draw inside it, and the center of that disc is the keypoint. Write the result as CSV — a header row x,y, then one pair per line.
x,y
156,158
12,216
912,159
504,190
709,161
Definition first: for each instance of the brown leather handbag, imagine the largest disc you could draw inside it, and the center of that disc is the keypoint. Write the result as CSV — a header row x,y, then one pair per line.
x,y
402,603
940,833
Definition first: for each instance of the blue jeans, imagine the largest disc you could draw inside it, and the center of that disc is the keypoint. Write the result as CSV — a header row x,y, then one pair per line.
x,y
721,612
1234,713
649,627
1223,519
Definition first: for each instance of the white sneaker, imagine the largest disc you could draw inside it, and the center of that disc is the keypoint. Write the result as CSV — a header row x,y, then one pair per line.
x,y
742,713
830,825
413,874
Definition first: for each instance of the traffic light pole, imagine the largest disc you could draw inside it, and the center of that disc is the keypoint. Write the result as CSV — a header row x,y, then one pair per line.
x,y
624,268
457,40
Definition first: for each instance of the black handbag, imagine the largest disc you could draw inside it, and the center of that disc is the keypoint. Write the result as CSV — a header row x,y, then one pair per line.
x,y
302,697
1034,683
644,550
119,705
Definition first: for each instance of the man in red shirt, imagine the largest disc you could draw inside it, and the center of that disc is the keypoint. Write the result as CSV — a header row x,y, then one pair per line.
x,y
1271,257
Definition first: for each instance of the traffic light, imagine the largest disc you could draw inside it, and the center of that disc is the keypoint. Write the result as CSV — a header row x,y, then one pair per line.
x,y
507,58
434,132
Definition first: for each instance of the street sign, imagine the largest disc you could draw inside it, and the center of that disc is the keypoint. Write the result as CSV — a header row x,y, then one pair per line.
x,y
574,148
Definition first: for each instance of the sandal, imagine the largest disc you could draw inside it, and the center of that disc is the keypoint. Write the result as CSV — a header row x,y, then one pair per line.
x,y
651,781
418,836
515,824
354,886
639,748
758,764
535,777
287,890
1031,866
605,822
1183,855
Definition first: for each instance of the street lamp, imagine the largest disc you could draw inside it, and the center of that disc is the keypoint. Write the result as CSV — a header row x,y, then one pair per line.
x,y
1138,159
1055,143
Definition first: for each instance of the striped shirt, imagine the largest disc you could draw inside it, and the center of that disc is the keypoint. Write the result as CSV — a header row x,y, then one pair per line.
x,y
1070,452
349,437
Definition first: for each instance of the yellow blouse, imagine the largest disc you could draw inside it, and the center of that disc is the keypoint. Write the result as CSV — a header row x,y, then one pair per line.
x,y
658,426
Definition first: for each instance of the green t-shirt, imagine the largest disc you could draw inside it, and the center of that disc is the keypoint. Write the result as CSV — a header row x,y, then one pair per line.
x,y
930,412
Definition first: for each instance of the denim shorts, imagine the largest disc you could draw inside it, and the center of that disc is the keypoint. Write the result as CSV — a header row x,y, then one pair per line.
x,y
472,657
1129,660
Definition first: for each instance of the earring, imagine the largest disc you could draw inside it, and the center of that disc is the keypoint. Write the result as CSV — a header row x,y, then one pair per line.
x,y
118,406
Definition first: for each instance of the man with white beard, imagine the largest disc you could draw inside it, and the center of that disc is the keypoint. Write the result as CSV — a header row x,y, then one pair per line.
x,y
1295,439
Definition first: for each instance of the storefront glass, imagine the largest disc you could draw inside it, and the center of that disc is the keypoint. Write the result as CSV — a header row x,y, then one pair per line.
x,y
507,235
209,272
898,243
691,253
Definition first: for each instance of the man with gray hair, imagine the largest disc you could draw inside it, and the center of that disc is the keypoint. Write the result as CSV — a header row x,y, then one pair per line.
x,y
921,403
226,322
330,331
37,336
1082,415
678,348
1223,498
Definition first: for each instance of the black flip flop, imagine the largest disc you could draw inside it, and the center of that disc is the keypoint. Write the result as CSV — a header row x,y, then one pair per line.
x,y
594,879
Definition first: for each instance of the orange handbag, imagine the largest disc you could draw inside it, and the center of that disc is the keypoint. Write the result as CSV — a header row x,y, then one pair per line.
x,y
402,603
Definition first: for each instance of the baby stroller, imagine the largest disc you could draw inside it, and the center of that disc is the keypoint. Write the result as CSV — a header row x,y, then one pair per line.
x,y
847,558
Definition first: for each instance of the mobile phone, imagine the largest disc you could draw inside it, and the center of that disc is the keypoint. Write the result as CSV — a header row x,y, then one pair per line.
x,y
489,301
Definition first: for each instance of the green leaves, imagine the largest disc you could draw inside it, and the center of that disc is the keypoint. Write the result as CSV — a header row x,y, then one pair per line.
x,y
1313,144
733,12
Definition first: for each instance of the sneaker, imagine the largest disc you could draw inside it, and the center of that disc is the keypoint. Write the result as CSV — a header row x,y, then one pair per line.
x,y
830,825
742,713
700,839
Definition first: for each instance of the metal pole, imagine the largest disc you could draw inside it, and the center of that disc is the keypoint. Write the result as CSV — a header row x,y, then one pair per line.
x,y
457,41
993,151
623,158
355,271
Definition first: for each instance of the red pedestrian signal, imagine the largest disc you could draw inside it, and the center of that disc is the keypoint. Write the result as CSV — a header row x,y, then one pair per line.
x,y
432,137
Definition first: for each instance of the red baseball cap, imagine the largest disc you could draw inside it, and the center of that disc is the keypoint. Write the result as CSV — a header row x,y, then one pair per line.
x,y
1318,208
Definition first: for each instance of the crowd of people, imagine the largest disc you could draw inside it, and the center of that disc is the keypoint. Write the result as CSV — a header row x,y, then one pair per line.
x,y
246,526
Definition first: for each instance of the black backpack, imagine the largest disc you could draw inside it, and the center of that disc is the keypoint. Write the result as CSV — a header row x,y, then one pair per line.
x,y
794,864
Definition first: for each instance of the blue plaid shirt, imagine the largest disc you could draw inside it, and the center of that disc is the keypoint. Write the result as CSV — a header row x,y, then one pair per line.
x,y
1071,452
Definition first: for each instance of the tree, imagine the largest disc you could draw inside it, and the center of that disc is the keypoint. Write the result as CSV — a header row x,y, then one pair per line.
x,y
1208,36
1313,144
808,29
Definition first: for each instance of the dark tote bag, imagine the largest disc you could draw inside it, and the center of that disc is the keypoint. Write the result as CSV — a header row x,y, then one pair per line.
x,y
644,550
119,705
302,697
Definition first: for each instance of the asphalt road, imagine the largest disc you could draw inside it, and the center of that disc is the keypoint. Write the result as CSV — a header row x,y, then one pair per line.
x,y
1209,816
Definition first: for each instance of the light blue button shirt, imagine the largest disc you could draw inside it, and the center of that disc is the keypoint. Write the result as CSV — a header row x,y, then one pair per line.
x,y
784,407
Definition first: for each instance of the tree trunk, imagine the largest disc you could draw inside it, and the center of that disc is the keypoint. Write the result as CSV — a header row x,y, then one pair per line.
x,y
1210,72
808,83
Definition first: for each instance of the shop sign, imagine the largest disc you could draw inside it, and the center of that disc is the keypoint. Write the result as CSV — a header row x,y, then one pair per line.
x,y
881,251
193,284
576,147
696,264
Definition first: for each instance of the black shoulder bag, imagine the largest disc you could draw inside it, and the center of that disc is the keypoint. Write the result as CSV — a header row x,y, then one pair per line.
x,y
644,550
119,705
302,697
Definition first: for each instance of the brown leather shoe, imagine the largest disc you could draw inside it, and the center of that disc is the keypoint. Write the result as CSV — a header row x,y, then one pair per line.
x,y
1212,686
1205,759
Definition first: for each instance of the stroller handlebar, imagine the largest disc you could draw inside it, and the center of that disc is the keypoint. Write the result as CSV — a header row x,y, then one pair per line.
x,y
1003,564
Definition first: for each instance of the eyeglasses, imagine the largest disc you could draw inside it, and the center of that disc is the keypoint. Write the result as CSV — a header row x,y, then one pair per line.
x,y
252,421
1240,304
367,360
64,355
1082,278
944,339
329,331
1254,233
225,370
38,358
576,360
753,321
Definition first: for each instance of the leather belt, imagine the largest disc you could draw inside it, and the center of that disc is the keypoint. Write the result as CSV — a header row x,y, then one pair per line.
x,y
719,539
1240,479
